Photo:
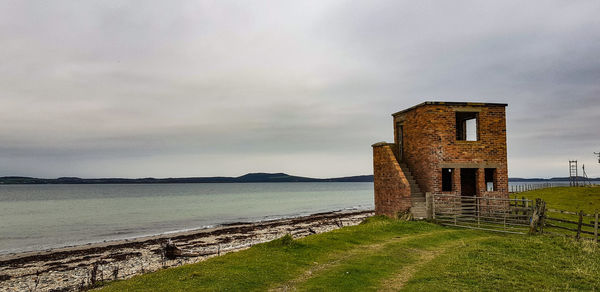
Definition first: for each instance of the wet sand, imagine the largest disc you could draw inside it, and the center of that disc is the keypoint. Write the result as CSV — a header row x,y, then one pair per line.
x,y
70,268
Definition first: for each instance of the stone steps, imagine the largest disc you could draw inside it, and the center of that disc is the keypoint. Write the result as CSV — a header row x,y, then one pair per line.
x,y
418,209
417,199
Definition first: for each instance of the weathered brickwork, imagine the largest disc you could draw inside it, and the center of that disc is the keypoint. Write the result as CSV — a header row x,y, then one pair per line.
x,y
392,190
429,144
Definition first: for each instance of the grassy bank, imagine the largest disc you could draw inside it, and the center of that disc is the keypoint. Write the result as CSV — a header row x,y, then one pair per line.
x,y
385,254
568,198
571,199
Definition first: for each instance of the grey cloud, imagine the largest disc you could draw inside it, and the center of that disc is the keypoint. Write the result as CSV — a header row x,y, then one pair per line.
x,y
183,88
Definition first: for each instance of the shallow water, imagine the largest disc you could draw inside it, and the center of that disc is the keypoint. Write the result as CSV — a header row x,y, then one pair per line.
x,y
36,217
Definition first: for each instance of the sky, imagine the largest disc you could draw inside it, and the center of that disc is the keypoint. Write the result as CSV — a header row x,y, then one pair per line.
x,y
207,88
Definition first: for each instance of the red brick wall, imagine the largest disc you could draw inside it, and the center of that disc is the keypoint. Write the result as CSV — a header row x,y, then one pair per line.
x,y
430,144
392,190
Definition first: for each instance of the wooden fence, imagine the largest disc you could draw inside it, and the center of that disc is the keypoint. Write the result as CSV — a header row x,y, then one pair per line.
x,y
569,223
519,216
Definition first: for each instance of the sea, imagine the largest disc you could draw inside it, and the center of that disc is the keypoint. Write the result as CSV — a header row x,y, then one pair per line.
x,y
40,217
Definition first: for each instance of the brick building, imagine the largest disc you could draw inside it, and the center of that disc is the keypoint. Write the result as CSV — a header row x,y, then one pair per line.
x,y
441,147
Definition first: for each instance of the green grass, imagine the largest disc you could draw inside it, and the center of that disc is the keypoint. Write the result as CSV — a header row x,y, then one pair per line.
x,y
386,254
512,263
571,199
568,198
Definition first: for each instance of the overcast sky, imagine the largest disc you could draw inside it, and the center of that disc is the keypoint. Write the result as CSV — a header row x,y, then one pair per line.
x,y
203,88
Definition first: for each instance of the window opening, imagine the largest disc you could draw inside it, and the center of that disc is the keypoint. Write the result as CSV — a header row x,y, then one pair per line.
x,y
490,182
446,179
466,126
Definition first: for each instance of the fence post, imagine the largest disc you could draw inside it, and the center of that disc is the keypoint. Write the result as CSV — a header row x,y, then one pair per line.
x,y
579,224
428,205
457,202
542,216
478,207
433,206
533,221
596,225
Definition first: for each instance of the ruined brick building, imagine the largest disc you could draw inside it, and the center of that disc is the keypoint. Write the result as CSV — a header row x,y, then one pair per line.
x,y
441,147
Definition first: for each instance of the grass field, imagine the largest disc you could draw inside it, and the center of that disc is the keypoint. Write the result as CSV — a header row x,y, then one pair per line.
x,y
385,254
571,199
567,198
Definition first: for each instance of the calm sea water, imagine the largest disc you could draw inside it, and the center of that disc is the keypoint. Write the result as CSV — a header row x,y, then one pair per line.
x,y
37,217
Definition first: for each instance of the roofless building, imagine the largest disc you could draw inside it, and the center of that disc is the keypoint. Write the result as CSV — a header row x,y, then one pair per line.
x,y
441,147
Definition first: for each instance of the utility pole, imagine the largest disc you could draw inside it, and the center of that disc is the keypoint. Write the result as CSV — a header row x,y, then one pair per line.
x,y
598,153
585,177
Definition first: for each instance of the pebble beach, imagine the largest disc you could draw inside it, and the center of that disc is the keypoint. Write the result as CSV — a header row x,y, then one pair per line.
x,y
72,268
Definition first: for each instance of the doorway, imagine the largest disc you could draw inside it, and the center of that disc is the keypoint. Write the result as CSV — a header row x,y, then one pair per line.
x,y
400,138
468,189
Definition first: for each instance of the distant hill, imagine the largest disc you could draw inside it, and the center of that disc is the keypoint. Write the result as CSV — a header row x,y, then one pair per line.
x,y
247,178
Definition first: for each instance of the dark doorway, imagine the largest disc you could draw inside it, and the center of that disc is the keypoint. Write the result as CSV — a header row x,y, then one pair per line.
x,y
447,179
468,189
400,133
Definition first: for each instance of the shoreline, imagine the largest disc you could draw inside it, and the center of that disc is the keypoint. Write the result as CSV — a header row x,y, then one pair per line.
x,y
4,256
68,268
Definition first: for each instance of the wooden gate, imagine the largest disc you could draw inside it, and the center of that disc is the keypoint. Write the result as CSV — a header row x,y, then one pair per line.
x,y
494,214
